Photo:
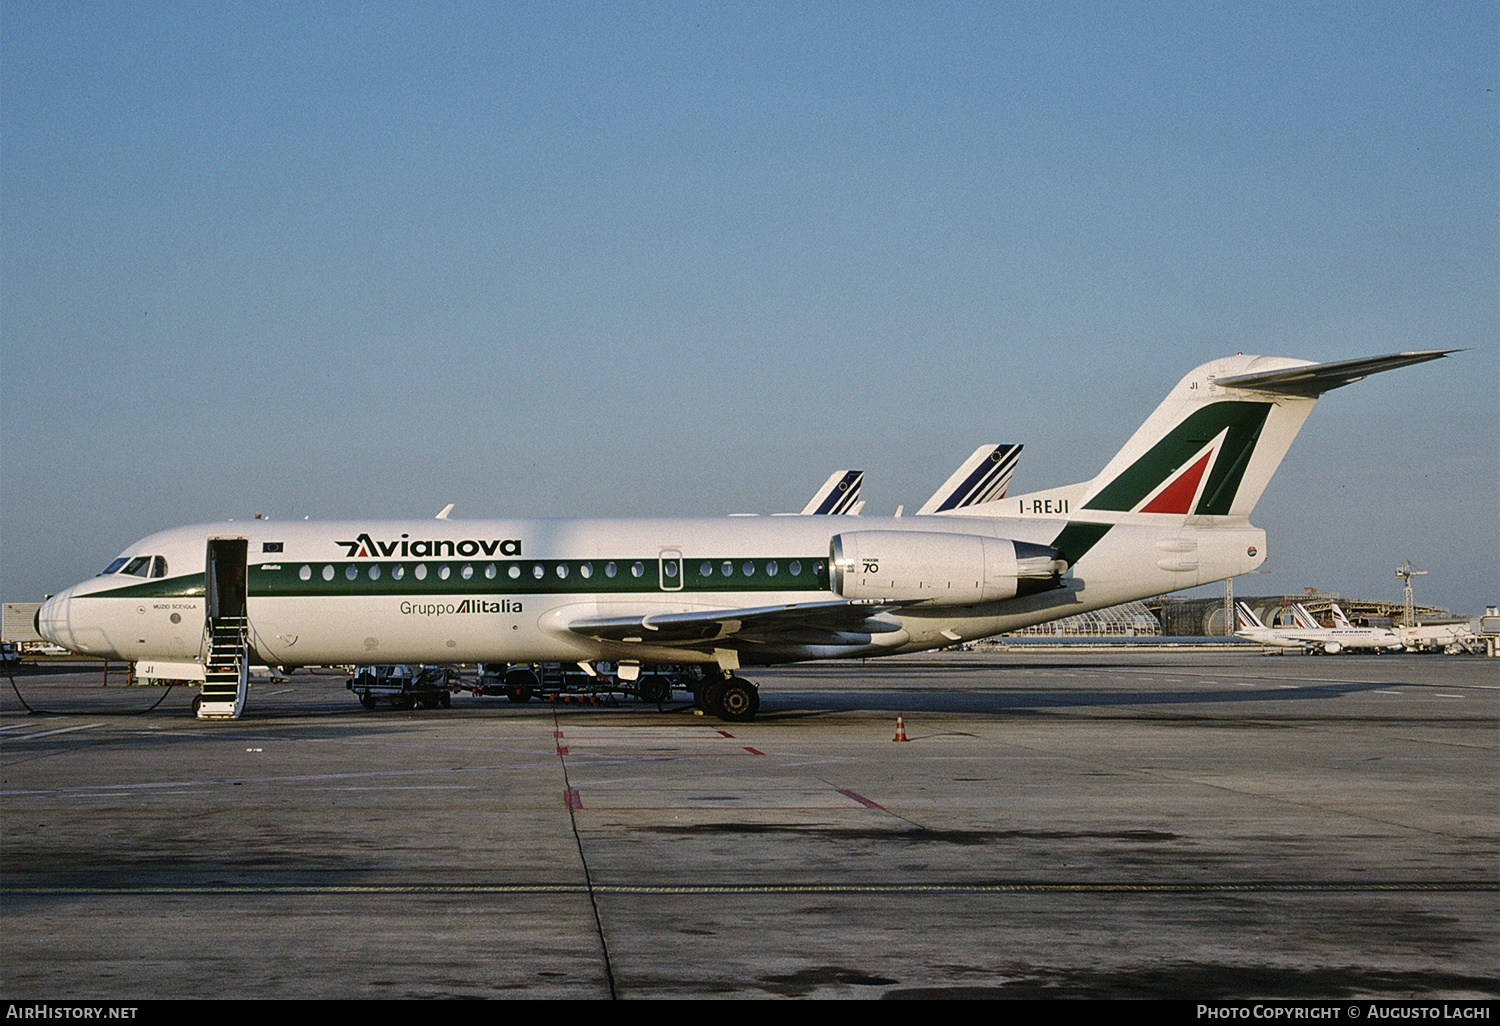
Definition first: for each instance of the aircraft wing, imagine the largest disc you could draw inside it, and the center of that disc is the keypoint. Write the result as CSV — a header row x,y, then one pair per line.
x,y
1313,379
837,622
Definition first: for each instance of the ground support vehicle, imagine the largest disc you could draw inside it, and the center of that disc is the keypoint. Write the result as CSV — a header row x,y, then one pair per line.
x,y
571,683
404,686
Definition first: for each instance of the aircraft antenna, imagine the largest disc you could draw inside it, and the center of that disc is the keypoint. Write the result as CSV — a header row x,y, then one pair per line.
x,y
1406,573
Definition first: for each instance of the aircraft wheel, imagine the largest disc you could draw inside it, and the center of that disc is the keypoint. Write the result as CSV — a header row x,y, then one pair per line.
x,y
403,701
445,699
711,698
654,690
737,700
368,701
197,704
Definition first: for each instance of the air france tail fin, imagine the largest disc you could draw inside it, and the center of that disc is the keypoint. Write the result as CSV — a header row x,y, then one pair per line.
x,y
839,494
1304,619
1245,617
1212,445
983,477
1339,619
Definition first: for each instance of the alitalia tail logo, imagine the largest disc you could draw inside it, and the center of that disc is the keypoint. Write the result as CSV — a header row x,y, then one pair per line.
x,y
365,547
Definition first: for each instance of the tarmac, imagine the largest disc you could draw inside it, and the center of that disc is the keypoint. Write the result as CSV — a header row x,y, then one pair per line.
x,y
1190,825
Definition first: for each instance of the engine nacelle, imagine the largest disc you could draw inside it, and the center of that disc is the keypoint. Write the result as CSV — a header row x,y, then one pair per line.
x,y
1333,648
944,569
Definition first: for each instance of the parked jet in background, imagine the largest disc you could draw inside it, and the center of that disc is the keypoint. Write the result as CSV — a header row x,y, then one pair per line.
x,y
1171,510
1306,632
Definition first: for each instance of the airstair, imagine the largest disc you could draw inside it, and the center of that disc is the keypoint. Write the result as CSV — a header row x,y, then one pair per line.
x,y
227,669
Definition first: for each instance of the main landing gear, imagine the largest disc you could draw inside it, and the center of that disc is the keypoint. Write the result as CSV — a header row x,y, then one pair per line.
x,y
729,698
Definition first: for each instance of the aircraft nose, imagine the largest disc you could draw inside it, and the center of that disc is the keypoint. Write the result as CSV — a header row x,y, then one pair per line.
x,y
52,621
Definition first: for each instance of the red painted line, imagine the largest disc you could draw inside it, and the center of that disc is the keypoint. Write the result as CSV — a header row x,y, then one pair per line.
x,y
726,733
753,751
562,750
571,799
557,733
860,798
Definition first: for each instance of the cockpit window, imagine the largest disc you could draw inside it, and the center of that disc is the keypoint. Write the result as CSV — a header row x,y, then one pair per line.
x,y
138,566
114,567
158,566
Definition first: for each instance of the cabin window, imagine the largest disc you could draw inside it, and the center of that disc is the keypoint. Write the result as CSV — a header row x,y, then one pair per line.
x,y
705,569
794,568
489,571
586,571
420,573
562,569
637,569
771,568
727,568
610,570
375,573
467,572
669,567
398,571
305,573
328,573
748,568
514,571
443,572
538,571
351,571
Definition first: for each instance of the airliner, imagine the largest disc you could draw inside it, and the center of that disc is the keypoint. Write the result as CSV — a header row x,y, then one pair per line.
x,y
1306,632
1171,510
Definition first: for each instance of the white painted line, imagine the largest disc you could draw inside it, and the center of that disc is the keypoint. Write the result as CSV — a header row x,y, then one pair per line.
x,y
60,730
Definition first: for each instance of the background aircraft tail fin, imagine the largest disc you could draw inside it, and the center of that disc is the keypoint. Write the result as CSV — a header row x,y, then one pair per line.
x,y
839,494
983,477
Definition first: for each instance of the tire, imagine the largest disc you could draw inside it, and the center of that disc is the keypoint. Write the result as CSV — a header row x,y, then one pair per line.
x,y
737,700
520,684
654,691
368,701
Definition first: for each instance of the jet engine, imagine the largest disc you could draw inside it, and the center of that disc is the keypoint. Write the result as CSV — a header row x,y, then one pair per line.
x,y
944,569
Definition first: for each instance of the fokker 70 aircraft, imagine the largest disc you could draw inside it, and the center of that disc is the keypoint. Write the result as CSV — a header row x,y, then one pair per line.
x,y
1171,510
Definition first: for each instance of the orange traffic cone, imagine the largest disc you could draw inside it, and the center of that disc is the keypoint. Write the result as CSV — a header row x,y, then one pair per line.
x,y
900,729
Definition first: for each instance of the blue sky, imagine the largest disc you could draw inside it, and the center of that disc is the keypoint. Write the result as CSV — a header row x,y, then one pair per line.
x,y
365,260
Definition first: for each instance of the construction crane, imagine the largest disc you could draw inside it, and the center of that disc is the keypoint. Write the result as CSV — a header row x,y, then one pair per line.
x,y
1406,572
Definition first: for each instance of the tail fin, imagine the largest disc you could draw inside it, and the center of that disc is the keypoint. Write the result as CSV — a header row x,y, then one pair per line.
x,y
1212,445
839,494
1304,619
1339,619
983,477
1245,617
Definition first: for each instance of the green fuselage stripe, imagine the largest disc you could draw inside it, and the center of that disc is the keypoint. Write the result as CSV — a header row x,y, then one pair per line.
x,y
349,578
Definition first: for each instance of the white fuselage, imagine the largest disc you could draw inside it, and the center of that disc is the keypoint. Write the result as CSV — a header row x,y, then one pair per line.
x,y
467,591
